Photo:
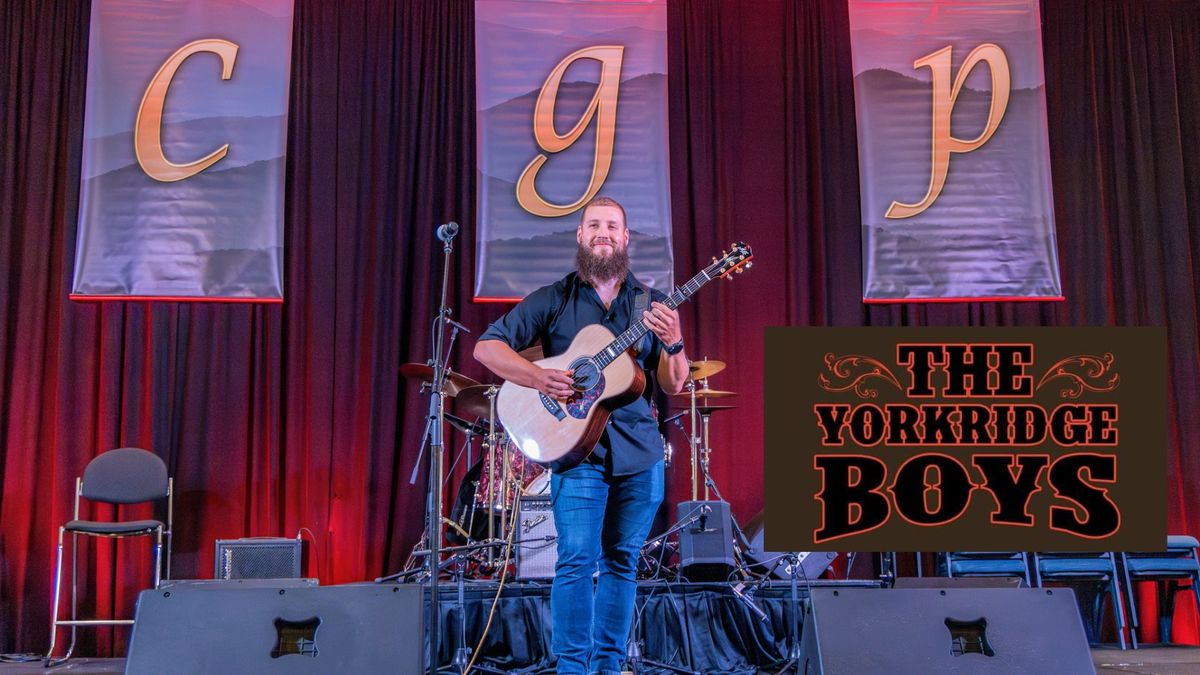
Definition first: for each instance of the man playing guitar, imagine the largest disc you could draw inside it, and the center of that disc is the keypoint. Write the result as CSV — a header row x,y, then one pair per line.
x,y
605,505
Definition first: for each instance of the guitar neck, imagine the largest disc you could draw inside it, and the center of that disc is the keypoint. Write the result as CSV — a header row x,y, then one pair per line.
x,y
638,330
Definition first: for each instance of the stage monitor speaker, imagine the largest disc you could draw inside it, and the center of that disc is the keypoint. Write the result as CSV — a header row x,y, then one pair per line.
x,y
537,552
976,631
257,558
812,563
225,627
706,541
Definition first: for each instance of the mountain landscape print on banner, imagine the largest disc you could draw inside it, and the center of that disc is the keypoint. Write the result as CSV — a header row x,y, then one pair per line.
x,y
517,251
990,233
215,234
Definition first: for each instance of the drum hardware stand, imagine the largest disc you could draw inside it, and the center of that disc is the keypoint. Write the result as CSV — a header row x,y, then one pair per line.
x,y
462,655
693,439
635,660
492,440
793,655
633,647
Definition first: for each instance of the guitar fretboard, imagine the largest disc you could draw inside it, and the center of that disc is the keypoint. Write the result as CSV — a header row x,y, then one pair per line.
x,y
635,332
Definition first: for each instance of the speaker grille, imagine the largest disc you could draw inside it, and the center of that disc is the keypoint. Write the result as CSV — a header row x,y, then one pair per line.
x,y
257,558
538,551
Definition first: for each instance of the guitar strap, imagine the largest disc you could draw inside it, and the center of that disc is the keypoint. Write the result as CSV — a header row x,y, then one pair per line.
x,y
641,301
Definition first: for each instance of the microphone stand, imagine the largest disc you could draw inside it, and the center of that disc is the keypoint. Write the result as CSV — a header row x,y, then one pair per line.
x,y
437,419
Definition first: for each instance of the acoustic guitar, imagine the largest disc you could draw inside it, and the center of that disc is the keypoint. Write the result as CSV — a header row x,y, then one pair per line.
x,y
562,433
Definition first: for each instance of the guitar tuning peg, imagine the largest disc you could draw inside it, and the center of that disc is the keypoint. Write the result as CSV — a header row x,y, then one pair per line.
x,y
749,265
727,277
739,270
714,258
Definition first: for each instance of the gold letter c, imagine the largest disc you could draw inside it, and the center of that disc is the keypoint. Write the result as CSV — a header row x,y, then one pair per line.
x,y
147,139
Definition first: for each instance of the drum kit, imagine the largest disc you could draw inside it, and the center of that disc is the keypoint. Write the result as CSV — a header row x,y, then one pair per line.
x,y
498,474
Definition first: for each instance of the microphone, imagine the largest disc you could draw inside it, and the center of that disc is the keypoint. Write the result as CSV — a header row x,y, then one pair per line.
x,y
448,231
748,600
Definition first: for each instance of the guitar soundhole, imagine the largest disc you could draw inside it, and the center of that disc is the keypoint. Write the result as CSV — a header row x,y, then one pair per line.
x,y
585,373
589,383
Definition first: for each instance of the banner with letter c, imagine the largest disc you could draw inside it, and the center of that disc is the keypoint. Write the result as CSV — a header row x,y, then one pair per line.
x,y
954,157
185,125
571,103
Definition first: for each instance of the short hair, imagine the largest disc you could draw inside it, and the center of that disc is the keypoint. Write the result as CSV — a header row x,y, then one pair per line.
x,y
603,201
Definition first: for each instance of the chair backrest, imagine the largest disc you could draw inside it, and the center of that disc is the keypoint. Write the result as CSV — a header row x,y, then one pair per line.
x,y
125,476
1178,546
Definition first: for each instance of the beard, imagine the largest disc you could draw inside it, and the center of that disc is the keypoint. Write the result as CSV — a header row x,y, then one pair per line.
x,y
602,268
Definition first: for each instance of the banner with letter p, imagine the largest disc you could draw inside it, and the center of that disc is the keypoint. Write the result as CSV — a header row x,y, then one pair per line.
x,y
953,153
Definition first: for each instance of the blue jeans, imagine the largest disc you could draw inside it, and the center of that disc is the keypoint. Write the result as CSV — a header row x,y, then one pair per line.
x,y
603,521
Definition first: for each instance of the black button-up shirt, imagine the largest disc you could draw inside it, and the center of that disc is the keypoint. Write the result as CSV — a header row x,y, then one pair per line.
x,y
554,315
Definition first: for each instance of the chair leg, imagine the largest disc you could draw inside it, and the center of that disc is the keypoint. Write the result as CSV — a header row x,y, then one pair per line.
x,y
1114,590
167,573
1129,591
74,593
158,545
1166,611
1196,590
49,660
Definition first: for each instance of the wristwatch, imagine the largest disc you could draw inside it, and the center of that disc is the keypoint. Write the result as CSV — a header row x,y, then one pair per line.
x,y
674,349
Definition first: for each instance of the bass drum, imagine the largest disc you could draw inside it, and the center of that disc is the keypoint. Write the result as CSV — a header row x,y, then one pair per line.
x,y
470,513
539,485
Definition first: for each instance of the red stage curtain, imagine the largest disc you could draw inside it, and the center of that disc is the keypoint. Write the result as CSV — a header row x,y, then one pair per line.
x,y
274,418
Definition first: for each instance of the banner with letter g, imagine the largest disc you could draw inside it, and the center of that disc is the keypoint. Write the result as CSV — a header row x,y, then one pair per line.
x,y
571,103
953,154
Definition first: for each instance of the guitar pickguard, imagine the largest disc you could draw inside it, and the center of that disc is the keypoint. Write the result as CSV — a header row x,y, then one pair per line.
x,y
581,402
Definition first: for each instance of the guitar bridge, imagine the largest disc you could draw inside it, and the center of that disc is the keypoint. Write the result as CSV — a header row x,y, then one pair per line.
x,y
553,407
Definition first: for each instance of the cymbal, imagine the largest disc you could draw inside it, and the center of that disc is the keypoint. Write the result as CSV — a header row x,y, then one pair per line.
x,y
707,393
472,401
705,368
465,426
710,409
455,382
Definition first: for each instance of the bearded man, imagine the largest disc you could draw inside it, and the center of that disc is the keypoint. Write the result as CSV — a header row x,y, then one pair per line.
x,y
604,506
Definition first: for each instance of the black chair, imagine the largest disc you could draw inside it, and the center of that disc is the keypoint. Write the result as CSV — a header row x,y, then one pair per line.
x,y
122,476
984,564
1071,567
1178,562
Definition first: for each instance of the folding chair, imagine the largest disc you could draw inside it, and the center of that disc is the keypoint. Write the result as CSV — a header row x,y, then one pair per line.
x,y
122,476
985,564
1178,562
1085,567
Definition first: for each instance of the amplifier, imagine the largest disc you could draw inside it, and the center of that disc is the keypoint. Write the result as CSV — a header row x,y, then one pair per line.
x,y
258,558
537,547
706,543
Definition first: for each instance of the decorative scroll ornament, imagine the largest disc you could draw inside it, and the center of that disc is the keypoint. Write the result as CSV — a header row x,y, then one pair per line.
x,y
1083,373
852,372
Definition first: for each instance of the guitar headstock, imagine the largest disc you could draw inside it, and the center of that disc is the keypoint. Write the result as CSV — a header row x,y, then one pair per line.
x,y
735,259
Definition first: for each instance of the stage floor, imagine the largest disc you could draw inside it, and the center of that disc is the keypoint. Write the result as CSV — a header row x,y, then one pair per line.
x,y
1153,660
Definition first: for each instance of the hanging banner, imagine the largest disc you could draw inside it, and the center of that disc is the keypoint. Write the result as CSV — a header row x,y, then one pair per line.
x,y
185,127
571,103
954,159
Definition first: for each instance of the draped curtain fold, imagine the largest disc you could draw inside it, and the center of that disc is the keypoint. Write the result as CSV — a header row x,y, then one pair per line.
x,y
277,418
